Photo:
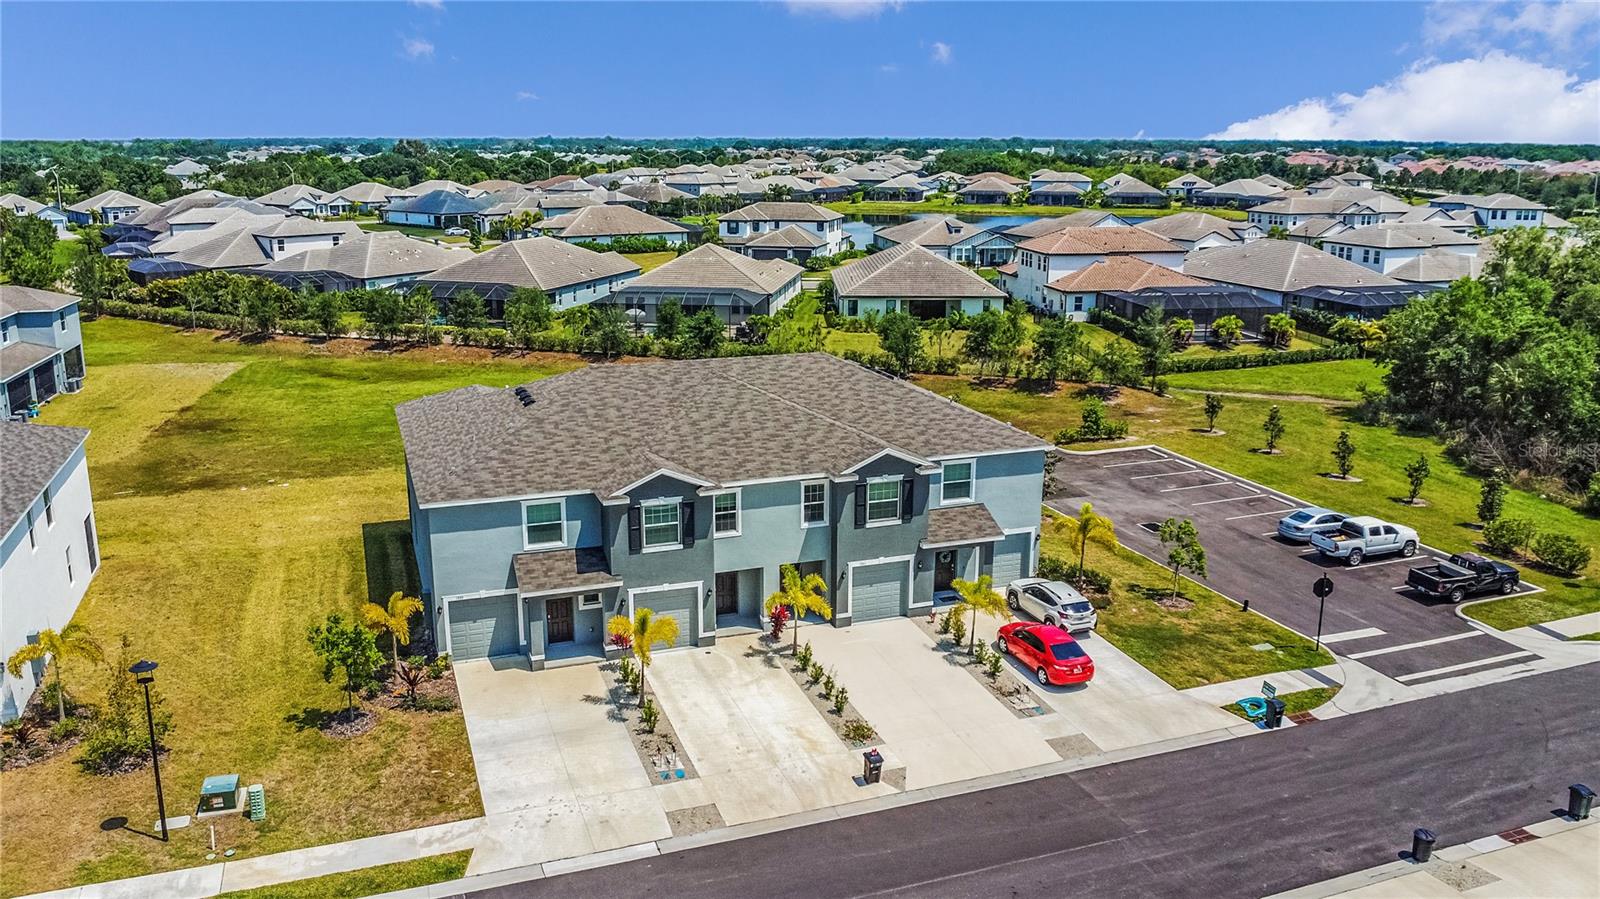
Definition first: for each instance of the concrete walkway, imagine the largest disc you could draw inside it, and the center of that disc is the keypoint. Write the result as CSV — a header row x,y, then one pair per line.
x,y
1286,682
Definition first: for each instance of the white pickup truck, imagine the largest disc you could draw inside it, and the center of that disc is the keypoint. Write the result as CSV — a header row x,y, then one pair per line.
x,y
1363,536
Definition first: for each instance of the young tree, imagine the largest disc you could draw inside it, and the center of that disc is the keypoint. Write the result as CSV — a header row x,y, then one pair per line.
x,y
325,309
642,634
1213,409
1055,342
1181,540
1273,428
418,307
467,311
1181,331
938,332
1278,328
979,596
798,327
800,594
1154,342
1492,499
474,239
669,318
610,337
527,313
1416,475
96,277
901,337
393,618
1344,454
71,642
347,646
703,334
27,250
1013,332
1227,330
386,312
983,333
121,731
1089,526
1117,363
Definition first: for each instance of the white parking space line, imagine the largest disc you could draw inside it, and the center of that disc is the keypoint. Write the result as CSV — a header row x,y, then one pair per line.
x,y
1369,564
1258,514
1402,647
1168,474
1199,486
1480,663
1354,635
1147,462
1230,499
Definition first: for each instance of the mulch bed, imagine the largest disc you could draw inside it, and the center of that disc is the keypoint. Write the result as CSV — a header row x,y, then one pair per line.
x,y
40,748
433,695
777,654
347,723
659,751
1006,688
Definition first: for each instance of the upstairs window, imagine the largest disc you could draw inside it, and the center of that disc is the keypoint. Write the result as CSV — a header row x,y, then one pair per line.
x,y
725,514
957,482
883,501
661,525
543,524
814,503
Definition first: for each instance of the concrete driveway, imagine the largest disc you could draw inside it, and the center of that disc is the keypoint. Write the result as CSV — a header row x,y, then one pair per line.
x,y
558,776
934,718
760,747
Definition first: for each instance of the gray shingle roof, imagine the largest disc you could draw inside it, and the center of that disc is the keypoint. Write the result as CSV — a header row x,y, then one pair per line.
x,y
540,572
1192,226
439,202
654,192
910,271
605,427
542,262
18,356
791,237
1128,186
711,266
937,231
33,455
1089,218
1242,188
109,198
971,523
608,221
782,212
1280,265
989,186
1409,236
379,254
283,196
372,192
1438,267
14,299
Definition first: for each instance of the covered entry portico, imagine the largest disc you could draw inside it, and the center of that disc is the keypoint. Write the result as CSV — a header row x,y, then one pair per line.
x,y
567,596
954,549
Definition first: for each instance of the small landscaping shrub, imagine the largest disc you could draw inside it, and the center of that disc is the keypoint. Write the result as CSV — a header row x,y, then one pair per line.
x,y
992,664
1562,552
802,657
1591,499
958,630
944,623
625,671
1087,580
980,654
1506,536
649,715
1094,425
840,697
431,704
439,665
827,684
778,620
857,731
814,672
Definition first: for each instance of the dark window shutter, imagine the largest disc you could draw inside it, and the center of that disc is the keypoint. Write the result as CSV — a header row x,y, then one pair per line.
x,y
635,529
908,492
686,522
861,505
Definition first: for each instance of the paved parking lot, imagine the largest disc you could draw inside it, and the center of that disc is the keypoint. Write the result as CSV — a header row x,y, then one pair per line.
x,y
1370,617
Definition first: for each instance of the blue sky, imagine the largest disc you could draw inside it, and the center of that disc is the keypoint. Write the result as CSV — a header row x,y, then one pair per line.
x,y
1451,70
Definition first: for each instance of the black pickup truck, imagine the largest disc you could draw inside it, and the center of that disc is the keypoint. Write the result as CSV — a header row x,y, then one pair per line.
x,y
1464,575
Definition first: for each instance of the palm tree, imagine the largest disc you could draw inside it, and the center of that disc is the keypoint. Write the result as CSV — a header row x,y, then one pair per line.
x,y
1089,525
393,619
802,594
979,596
73,641
644,631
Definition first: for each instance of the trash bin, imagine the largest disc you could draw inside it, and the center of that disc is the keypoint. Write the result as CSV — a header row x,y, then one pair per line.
x,y
1275,709
1422,841
1579,800
871,766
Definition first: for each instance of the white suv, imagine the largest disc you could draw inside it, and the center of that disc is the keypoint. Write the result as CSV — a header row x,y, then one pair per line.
x,y
1052,602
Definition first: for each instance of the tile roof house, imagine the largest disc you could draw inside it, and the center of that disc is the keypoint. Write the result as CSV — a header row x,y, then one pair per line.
x,y
1044,259
1184,186
952,238
369,260
1240,193
711,277
49,551
569,275
740,229
41,347
603,224
539,511
1201,230
1075,293
987,191
1279,270
106,207
910,278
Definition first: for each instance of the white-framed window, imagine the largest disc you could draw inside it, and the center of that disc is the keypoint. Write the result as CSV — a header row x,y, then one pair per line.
x,y
33,542
544,523
589,601
725,514
813,504
956,482
883,501
49,510
72,578
660,522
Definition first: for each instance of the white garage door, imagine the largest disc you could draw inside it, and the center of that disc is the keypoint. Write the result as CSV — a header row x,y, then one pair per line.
x,y
483,627
1009,555
676,604
877,591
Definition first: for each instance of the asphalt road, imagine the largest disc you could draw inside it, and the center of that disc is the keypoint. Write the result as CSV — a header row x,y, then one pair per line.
x,y
1246,817
1371,616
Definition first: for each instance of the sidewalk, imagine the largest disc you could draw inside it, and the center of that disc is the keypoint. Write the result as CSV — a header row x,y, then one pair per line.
x,y
1556,858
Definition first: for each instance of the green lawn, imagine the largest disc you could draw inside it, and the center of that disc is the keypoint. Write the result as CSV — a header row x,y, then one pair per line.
x,y
1298,701
367,881
837,342
242,492
1327,380
648,261
1593,636
413,231
1207,644
1176,422
949,207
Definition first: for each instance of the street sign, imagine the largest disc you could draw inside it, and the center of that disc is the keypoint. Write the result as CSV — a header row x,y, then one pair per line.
x,y
1322,587
1268,690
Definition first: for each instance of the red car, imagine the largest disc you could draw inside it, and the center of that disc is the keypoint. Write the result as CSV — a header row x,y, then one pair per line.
x,y
1051,652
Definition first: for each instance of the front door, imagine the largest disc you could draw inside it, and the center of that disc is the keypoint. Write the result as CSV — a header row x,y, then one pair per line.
x,y
728,593
558,620
944,569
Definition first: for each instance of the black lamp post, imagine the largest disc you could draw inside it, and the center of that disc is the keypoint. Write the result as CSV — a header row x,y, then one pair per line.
x,y
145,671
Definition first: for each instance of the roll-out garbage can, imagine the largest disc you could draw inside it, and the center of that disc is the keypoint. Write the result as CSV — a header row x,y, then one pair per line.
x,y
1580,799
872,766
1422,841
1275,709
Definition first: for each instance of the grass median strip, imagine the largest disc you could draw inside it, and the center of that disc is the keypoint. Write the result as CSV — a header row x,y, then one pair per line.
x,y
367,881
1293,703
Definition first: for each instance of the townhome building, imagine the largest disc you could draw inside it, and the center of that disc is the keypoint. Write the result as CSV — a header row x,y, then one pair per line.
x,y
539,511
741,229
48,549
41,347
1041,260
1495,212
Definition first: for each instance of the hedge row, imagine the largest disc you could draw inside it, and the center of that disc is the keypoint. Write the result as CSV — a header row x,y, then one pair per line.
x,y
922,365
1179,365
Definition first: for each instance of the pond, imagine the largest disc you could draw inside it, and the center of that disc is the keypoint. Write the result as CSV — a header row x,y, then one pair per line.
x,y
860,228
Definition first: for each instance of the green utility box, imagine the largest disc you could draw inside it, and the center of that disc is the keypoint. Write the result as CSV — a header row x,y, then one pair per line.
x,y
219,793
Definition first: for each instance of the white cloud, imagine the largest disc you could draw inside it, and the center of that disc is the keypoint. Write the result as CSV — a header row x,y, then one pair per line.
x,y
524,96
1562,24
416,48
843,9
428,4
1494,97
941,52
889,68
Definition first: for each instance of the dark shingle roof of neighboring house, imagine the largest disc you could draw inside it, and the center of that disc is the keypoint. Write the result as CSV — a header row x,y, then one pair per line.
x,y
18,356
542,262
1280,265
789,237
961,524
782,212
654,192
439,202
908,270
608,221
606,428
114,199
1088,218
709,266
1122,273
989,186
1398,237
33,455
14,299
379,254
937,231
1095,241
1438,267
1192,226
